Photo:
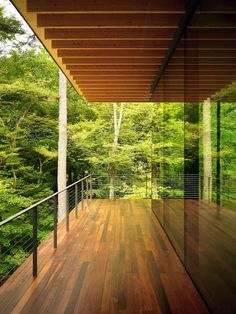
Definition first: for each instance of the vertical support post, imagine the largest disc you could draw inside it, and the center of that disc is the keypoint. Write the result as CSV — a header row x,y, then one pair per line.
x,y
218,135
35,241
82,194
87,191
76,201
67,211
55,222
90,188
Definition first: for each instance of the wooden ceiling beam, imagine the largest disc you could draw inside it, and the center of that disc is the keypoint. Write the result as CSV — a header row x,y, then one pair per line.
x,y
145,91
117,92
143,85
172,67
151,75
104,33
110,43
109,54
149,72
149,61
123,81
85,6
113,6
127,100
137,33
141,61
142,44
113,73
140,53
167,85
107,67
126,20
108,77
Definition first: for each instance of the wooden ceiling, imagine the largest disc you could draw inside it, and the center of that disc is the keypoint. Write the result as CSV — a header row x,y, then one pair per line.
x,y
116,50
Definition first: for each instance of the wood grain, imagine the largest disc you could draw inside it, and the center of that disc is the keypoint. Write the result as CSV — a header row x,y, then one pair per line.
x,y
115,259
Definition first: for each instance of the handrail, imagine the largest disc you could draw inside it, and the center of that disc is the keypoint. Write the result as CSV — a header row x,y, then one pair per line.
x,y
40,202
34,210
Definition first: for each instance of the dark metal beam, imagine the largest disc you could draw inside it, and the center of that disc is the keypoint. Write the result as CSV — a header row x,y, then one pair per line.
x,y
184,22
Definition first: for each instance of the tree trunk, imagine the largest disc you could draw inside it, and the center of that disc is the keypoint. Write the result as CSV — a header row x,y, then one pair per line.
x,y
207,152
112,183
62,146
112,168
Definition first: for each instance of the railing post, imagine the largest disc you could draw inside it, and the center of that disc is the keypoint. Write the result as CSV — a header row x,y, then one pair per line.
x,y
90,188
67,211
87,191
76,201
35,241
55,222
82,194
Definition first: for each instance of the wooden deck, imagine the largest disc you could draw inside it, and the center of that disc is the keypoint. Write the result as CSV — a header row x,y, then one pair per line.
x,y
115,259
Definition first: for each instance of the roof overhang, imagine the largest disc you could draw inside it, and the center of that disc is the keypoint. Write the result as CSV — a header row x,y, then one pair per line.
x,y
146,50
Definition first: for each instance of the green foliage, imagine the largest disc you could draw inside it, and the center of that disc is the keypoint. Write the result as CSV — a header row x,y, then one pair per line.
x,y
9,27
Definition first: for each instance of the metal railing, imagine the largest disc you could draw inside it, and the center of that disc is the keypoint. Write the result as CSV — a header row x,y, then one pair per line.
x,y
124,186
22,232
195,187
143,185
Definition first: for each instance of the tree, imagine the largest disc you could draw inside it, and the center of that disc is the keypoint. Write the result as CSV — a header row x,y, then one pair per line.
x,y
207,151
62,147
9,27
111,167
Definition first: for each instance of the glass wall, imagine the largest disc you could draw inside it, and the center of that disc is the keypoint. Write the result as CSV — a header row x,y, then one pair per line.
x,y
196,205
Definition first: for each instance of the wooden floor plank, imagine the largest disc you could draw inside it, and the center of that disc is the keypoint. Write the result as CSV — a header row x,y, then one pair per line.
x,y
115,259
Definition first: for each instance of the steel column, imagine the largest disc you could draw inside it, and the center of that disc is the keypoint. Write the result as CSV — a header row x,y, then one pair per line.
x,y
35,241
76,201
90,188
82,194
55,222
67,211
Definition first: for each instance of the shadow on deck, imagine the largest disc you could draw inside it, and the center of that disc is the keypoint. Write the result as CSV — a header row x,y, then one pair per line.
x,y
115,259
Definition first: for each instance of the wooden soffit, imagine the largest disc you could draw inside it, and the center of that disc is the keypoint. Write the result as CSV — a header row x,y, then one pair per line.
x,y
114,50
